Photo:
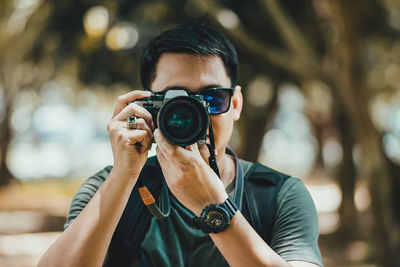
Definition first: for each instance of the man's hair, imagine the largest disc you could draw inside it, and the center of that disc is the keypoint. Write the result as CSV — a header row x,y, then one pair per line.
x,y
193,38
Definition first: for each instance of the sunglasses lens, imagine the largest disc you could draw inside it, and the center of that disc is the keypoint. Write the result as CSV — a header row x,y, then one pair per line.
x,y
218,100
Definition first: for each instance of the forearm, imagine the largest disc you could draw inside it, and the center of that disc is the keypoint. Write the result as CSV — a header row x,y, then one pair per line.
x,y
242,246
86,240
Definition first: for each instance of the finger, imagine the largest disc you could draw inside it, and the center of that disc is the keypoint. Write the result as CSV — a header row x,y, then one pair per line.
x,y
160,156
192,147
125,99
200,151
135,110
162,143
169,150
118,129
138,137
141,124
204,152
165,164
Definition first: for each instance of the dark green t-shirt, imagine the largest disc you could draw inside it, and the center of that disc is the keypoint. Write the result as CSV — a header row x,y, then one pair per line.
x,y
176,242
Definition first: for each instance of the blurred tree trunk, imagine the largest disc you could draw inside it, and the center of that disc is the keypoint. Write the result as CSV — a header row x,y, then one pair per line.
x,y
5,136
347,176
319,132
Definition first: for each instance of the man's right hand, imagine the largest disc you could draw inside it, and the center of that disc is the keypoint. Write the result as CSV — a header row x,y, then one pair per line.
x,y
86,240
130,146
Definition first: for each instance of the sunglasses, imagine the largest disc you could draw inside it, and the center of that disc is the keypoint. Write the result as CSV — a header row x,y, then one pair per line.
x,y
219,99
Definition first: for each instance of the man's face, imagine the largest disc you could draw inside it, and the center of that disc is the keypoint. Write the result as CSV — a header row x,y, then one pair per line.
x,y
196,73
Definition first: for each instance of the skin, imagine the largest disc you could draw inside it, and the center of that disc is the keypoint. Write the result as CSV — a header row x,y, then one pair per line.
x,y
188,176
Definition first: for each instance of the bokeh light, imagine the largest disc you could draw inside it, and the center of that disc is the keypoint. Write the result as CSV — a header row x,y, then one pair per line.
x,y
380,110
259,92
96,21
362,196
122,36
327,199
332,153
319,101
21,119
290,97
391,146
228,18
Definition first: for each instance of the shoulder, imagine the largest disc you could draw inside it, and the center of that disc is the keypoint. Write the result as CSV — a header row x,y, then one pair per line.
x,y
257,172
85,193
151,172
295,223
295,231
92,184
292,192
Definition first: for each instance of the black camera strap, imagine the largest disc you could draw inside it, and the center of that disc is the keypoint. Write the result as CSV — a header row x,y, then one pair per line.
x,y
163,209
212,160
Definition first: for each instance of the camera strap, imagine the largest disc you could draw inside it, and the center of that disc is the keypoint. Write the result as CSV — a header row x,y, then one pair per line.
x,y
163,210
160,211
212,160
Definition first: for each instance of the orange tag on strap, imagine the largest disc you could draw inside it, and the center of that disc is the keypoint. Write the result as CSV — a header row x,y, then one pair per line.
x,y
146,196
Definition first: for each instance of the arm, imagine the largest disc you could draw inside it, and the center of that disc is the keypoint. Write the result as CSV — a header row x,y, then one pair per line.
x,y
242,246
86,240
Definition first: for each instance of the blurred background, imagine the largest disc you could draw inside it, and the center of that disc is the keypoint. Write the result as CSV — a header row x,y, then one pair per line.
x,y
321,81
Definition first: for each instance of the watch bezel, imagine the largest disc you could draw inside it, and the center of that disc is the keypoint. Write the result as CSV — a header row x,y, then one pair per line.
x,y
211,228
227,210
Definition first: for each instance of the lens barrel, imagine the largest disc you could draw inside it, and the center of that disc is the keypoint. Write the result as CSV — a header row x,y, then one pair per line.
x,y
183,120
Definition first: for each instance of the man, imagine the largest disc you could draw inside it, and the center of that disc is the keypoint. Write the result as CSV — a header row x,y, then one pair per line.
x,y
197,59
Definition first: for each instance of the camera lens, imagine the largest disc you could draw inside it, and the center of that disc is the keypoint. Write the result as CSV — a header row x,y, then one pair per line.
x,y
183,120
180,121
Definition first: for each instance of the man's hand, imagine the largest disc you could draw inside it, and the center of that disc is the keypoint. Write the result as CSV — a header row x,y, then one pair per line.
x,y
188,176
130,146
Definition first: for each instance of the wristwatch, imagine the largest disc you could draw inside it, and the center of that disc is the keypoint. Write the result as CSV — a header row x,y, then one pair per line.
x,y
216,218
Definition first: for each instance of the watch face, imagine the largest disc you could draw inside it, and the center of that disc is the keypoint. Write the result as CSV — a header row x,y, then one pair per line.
x,y
216,220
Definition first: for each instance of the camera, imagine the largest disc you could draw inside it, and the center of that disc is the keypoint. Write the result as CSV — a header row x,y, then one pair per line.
x,y
183,119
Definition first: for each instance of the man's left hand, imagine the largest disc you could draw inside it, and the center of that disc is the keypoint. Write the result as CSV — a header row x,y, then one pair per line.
x,y
188,176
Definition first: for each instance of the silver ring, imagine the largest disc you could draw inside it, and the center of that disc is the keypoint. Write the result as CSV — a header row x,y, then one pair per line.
x,y
132,122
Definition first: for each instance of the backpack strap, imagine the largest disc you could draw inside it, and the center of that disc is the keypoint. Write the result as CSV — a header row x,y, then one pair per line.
x,y
135,220
239,183
262,185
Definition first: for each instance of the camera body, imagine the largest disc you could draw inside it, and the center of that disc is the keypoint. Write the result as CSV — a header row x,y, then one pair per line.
x,y
183,119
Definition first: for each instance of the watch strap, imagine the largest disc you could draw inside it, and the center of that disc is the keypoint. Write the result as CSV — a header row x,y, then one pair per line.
x,y
230,206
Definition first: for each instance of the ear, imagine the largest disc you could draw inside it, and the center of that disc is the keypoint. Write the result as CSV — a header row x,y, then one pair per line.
x,y
237,102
